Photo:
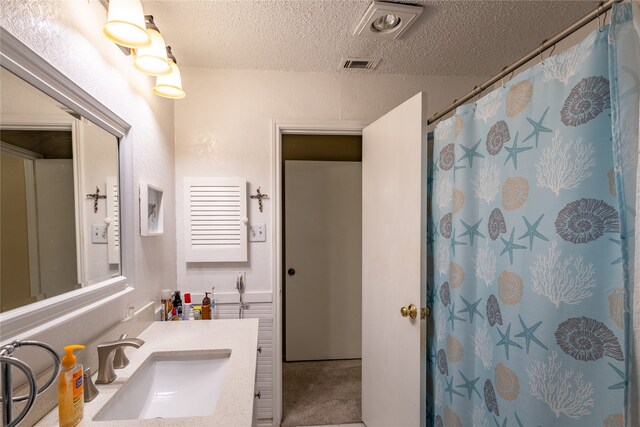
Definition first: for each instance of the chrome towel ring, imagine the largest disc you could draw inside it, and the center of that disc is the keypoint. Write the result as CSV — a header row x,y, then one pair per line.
x,y
7,360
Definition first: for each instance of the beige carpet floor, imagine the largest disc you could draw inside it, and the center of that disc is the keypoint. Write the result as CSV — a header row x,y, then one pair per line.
x,y
321,393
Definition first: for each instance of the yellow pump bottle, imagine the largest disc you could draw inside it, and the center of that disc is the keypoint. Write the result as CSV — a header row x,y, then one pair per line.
x,y
70,389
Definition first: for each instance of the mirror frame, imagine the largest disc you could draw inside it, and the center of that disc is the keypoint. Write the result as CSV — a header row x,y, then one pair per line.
x,y
19,59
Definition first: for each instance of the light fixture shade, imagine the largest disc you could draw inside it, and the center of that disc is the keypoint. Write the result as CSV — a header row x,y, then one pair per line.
x,y
125,24
170,86
153,60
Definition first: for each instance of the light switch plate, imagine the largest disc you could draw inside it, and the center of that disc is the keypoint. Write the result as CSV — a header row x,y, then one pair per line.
x,y
258,233
99,233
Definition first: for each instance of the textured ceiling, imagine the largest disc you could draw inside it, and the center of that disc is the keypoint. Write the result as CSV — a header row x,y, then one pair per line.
x,y
450,37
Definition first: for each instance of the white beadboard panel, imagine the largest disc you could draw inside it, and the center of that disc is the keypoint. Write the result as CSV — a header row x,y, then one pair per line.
x,y
265,368
262,311
113,212
249,297
216,219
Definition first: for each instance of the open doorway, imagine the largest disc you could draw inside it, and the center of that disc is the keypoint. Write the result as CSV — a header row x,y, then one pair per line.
x,y
322,283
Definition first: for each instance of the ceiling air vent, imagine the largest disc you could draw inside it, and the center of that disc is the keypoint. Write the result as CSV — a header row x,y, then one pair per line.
x,y
358,64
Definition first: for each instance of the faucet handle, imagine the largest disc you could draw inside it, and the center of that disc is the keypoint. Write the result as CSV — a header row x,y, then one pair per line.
x,y
120,359
106,353
90,390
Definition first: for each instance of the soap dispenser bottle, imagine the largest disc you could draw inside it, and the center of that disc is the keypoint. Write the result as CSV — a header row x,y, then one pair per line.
x,y
206,307
70,389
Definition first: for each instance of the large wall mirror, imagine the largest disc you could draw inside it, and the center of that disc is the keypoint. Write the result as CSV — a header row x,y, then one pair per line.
x,y
60,219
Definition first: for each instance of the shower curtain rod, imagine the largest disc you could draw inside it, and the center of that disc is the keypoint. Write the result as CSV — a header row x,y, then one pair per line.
x,y
546,44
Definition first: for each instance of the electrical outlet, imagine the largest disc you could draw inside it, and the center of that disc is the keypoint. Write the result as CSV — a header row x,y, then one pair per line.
x,y
99,233
258,233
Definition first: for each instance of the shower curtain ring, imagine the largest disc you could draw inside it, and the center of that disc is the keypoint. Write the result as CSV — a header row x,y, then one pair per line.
x,y
502,80
540,50
599,21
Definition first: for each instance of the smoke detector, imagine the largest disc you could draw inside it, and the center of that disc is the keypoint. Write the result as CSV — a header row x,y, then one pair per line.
x,y
358,64
387,20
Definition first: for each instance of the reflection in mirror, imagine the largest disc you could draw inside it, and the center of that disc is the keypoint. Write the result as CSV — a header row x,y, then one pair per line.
x,y
59,198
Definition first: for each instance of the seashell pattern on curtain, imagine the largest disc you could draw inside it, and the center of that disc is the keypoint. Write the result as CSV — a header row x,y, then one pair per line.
x,y
530,241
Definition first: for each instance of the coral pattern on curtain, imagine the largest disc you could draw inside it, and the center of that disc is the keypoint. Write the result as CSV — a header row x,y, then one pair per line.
x,y
529,286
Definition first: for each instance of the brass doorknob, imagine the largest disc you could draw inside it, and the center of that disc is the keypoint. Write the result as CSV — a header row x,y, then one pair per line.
x,y
425,312
410,311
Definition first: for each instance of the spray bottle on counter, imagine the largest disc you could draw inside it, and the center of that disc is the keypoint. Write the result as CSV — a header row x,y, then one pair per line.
x,y
187,310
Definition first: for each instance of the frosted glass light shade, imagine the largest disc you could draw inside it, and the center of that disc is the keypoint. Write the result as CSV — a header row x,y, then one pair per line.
x,y
125,24
153,60
170,86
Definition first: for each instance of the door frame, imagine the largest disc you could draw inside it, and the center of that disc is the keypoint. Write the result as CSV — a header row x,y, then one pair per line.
x,y
45,122
280,127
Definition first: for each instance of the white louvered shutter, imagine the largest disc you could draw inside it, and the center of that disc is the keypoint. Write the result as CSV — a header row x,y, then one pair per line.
x,y
113,212
215,219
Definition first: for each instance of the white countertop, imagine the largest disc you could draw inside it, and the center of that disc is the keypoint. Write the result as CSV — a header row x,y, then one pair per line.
x,y
236,403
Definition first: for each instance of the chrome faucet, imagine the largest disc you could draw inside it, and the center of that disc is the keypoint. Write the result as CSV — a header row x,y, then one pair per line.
x,y
106,353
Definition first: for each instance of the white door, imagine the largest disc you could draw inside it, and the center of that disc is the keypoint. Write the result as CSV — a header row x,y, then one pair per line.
x,y
394,267
323,238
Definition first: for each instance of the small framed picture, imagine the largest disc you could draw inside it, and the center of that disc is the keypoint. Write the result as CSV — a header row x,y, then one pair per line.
x,y
151,210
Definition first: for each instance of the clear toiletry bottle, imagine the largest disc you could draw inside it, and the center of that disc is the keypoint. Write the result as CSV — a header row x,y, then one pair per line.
x,y
214,306
165,300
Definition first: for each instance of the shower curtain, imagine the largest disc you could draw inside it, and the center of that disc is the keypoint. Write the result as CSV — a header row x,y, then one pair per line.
x,y
531,235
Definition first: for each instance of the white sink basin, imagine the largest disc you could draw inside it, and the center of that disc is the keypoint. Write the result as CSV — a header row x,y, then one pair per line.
x,y
169,385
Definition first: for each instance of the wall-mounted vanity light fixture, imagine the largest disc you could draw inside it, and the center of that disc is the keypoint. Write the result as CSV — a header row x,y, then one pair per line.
x,y
152,60
170,86
138,35
125,24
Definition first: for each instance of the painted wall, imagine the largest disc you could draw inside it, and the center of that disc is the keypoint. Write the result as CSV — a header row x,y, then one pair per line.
x,y
223,128
68,35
